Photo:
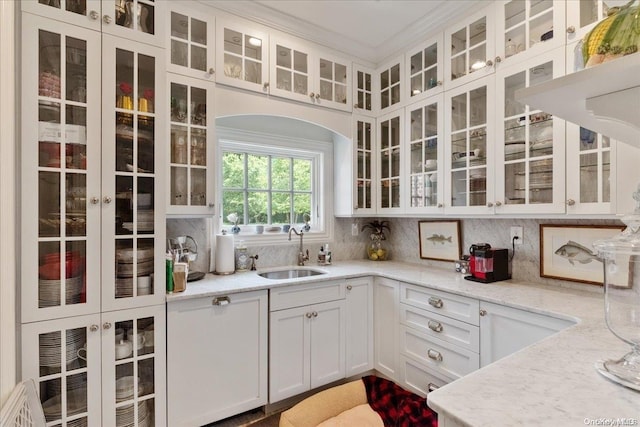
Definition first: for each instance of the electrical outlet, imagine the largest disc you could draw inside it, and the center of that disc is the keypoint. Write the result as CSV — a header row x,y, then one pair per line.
x,y
354,229
517,231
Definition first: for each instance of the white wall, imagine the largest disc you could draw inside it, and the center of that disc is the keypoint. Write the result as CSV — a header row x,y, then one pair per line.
x,y
7,196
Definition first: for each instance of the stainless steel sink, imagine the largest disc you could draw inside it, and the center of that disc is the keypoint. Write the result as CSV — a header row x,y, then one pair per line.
x,y
290,273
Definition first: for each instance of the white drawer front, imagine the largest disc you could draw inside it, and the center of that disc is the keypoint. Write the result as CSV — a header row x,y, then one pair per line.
x,y
420,379
456,306
305,294
443,327
449,359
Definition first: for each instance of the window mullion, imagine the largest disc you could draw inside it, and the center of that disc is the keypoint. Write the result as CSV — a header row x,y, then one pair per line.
x,y
291,192
269,188
245,190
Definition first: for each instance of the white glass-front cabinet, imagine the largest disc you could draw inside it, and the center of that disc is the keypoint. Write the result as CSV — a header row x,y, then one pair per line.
x,y
526,28
425,159
582,16
469,48
390,82
97,369
469,154
364,164
191,131
390,171
301,73
242,56
190,42
424,69
530,143
137,19
364,88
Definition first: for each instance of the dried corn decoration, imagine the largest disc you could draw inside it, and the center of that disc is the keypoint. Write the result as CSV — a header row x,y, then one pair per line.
x,y
616,35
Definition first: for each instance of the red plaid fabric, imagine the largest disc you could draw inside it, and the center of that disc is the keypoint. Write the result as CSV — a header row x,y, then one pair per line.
x,y
398,407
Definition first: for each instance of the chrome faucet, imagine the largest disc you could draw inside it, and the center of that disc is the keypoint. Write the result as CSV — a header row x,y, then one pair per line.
x,y
302,257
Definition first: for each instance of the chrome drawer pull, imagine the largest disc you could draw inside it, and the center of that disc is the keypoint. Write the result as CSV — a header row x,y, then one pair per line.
x,y
221,301
435,355
435,326
431,387
436,302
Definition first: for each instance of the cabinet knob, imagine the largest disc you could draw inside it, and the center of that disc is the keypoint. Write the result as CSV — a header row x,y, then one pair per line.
x,y
265,85
221,301
498,59
94,15
308,315
106,200
483,312
349,287
435,302
211,71
106,325
107,19
489,63
435,326
571,202
435,355
571,29
440,205
317,96
314,314
312,95
212,205
356,207
432,387
490,205
95,200
356,105
498,203
94,328
439,82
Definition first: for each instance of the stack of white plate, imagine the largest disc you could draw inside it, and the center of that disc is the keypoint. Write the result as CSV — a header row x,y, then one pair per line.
x,y
76,404
124,388
125,416
50,347
125,267
74,382
124,288
49,291
80,422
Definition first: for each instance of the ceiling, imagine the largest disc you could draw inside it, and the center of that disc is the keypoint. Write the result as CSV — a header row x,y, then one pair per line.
x,y
371,30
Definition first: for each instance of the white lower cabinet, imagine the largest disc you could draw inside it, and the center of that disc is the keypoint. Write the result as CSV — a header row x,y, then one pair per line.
x,y
385,308
307,338
420,379
217,357
505,330
359,325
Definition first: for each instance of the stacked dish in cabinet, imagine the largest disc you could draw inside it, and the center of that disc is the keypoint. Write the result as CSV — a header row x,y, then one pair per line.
x,y
439,337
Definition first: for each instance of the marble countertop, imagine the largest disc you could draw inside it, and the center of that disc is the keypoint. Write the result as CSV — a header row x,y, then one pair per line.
x,y
552,382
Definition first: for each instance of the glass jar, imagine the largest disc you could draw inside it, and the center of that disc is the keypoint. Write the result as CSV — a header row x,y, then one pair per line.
x,y
375,250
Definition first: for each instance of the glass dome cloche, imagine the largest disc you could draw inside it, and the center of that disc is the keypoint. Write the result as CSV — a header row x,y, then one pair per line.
x,y
621,258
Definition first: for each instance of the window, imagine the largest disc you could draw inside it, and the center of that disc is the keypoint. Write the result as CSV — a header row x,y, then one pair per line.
x,y
273,182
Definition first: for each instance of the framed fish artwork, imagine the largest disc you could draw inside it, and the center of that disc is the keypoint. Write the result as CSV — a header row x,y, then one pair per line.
x,y
567,252
439,240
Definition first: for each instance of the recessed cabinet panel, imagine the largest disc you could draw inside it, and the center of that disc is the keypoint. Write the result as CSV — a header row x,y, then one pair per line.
x,y
532,141
190,42
425,122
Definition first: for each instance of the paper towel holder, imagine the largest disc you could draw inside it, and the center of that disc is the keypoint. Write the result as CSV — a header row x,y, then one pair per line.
x,y
223,273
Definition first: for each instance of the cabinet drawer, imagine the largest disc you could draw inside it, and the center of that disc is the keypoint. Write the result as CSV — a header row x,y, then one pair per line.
x,y
306,294
456,306
444,357
442,327
419,379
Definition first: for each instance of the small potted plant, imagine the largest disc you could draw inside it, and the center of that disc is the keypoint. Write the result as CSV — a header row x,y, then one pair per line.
x,y
376,250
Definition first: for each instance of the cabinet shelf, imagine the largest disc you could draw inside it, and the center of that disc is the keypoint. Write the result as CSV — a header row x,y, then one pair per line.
x,y
603,99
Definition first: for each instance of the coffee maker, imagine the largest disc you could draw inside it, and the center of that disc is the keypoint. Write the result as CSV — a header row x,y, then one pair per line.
x,y
487,264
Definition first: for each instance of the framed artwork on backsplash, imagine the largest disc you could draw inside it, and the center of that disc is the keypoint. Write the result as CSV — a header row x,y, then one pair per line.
x,y
567,252
439,240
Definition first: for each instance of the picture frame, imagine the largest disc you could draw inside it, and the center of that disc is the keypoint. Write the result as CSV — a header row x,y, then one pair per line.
x,y
439,240
567,253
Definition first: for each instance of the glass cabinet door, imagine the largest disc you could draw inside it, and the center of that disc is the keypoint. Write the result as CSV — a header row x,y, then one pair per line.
x,y
63,357
290,72
469,147
528,26
84,13
191,42
363,90
133,368
390,135
241,56
140,20
132,85
533,141
424,127
425,69
470,48
333,82
191,141
364,153
582,16
389,84
61,212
